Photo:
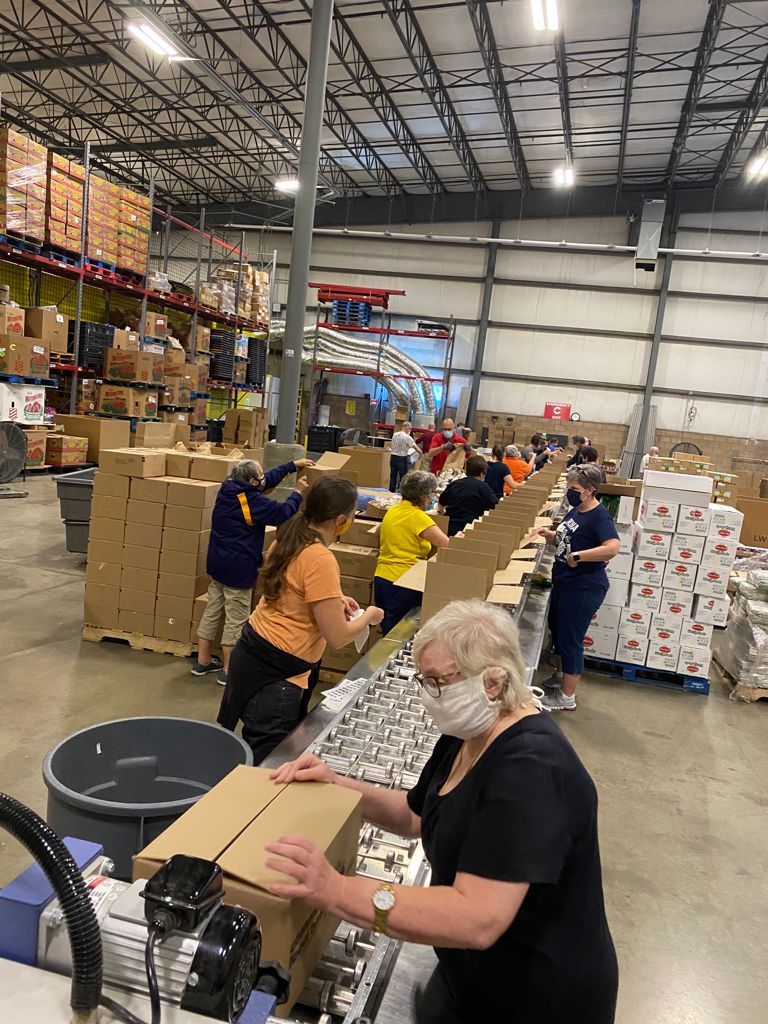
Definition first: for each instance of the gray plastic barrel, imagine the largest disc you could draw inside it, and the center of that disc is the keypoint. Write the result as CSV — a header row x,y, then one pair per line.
x,y
122,783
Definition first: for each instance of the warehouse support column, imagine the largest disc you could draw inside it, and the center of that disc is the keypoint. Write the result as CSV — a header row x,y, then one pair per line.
x,y
303,219
482,329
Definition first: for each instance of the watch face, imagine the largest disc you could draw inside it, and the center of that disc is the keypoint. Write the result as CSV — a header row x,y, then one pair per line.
x,y
383,899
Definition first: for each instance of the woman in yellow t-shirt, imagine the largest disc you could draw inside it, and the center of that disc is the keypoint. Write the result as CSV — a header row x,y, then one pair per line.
x,y
301,609
407,535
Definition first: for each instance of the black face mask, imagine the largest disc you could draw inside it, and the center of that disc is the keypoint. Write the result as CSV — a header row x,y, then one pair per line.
x,y
574,497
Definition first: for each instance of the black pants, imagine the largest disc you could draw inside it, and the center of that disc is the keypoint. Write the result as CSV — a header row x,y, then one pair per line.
x,y
436,1004
398,467
269,716
394,601
570,613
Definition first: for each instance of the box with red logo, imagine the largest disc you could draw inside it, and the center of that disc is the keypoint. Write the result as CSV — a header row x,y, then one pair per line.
x,y
686,548
632,649
635,622
694,520
694,661
600,643
720,552
680,576
606,617
676,602
658,515
695,634
662,654
651,543
644,598
713,610
648,572
665,629
711,582
725,521
617,593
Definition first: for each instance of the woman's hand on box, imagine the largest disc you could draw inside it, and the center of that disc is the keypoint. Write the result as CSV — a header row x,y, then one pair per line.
x,y
307,768
314,880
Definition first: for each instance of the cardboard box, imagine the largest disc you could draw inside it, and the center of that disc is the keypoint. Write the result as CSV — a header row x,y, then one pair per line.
x,y
431,604
36,440
712,610
192,494
362,533
355,560
725,518
136,622
455,581
358,589
643,597
677,603
686,548
635,622
651,543
141,462
680,576
195,519
104,573
617,593
211,467
754,529
137,601
49,326
659,515
143,535
606,617
100,606
179,464
149,512
27,357
620,566
156,326
153,489
719,552
140,557
665,629
101,434
711,582
12,321
139,579
662,654
105,551
106,529
64,450
648,572
110,485
169,628
183,563
178,585
370,464
109,507
695,634
131,366
631,650
126,339
180,608
694,661
233,822
600,643
694,519
185,541
680,488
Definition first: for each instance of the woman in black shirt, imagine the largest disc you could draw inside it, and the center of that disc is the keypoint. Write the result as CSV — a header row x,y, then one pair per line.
x,y
508,818
497,473
467,498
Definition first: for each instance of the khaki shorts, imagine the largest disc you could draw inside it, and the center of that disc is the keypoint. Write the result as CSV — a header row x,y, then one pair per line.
x,y
231,602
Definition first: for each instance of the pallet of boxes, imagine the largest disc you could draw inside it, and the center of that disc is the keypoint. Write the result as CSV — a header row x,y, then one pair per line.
x,y
668,590
134,368
146,566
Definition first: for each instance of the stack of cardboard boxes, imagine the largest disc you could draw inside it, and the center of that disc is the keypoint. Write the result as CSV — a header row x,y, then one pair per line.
x,y
23,169
22,403
103,203
669,592
133,226
246,428
64,207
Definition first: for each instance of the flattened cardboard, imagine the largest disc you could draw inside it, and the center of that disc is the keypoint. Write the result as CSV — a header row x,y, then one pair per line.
x,y
512,576
523,555
510,597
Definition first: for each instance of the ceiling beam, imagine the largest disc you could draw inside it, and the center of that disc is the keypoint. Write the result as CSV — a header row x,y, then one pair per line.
x,y
408,30
634,25
758,96
76,60
704,54
481,22
561,63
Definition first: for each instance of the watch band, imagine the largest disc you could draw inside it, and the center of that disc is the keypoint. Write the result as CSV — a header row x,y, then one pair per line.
x,y
380,916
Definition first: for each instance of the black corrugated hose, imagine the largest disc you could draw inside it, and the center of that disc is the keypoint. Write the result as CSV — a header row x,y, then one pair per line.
x,y
62,872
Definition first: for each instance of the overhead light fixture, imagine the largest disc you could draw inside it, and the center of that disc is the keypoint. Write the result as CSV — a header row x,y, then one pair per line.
x,y
758,167
287,185
563,177
153,40
545,16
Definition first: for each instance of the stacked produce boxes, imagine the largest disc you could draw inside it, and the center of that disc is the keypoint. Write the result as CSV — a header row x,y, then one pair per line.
x,y
64,203
134,222
23,167
103,214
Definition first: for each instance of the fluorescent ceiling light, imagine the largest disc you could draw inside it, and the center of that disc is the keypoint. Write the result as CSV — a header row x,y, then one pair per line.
x,y
152,39
287,184
758,168
545,16
563,177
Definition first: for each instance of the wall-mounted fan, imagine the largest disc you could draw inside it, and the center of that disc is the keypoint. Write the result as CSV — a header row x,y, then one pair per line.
x,y
13,455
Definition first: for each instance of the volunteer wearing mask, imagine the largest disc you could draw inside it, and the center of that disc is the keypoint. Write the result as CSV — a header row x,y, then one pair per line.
x,y
497,475
584,541
441,446
508,817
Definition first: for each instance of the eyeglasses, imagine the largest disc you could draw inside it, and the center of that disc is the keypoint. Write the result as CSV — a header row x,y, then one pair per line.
x,y
433,684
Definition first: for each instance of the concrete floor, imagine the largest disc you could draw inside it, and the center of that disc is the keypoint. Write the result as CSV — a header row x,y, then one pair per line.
x,y
681,780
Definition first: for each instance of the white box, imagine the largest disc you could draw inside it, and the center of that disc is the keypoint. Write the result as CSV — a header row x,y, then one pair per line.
x,y
711,582
651,543
600,643
626,508
648,571
695,634
663,654
694,661
658,515
617,593
724,517
720,552
606,617
681,488
676,602
635,622
686,548
631,649
620,566
644,598
693,519
22,403
665,629
680,576
711,609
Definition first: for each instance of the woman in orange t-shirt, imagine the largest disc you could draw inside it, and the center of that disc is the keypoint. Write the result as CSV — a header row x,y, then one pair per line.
x,y
301,608
519,469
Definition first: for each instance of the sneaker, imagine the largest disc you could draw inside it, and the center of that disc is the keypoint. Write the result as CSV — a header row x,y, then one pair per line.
x,y
203,670
221,678
557,701
553,683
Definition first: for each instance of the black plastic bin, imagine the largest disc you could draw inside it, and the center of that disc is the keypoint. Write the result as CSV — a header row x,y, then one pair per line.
x,y
122,783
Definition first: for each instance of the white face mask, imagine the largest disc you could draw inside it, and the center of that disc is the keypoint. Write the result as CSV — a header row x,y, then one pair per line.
x,y
448,433
463,709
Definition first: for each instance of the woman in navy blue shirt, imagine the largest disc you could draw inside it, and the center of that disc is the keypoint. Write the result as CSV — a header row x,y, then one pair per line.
x,y
584,541
498,473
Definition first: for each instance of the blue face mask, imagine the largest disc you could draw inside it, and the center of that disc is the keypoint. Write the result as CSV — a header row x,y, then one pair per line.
x,y
574,497
448,433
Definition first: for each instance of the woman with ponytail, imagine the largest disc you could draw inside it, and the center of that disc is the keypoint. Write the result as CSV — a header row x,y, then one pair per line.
x,y
301,608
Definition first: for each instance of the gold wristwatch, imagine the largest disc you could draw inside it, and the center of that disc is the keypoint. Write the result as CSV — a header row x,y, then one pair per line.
x,y
383,901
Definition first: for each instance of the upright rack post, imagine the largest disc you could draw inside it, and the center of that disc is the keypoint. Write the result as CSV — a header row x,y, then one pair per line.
x,y
80,280
144,297
198,279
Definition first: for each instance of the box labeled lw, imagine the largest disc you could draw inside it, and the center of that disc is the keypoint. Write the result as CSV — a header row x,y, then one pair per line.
x,y
662,654
600,643
644,598
632,649
648,572
712,582
232,824
713,610
679,576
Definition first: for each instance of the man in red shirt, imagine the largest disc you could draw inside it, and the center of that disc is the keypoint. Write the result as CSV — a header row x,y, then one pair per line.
x,y
442,445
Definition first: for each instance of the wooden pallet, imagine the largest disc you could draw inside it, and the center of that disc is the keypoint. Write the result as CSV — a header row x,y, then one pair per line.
x,y
747,694
138,642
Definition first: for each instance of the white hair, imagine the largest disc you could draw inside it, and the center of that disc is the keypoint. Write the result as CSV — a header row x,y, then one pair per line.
x,y
480,637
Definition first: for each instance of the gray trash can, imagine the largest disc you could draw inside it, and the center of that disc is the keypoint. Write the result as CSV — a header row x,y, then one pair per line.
x,y
75,491
122,783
